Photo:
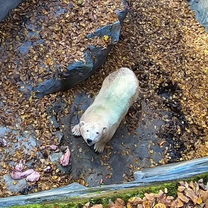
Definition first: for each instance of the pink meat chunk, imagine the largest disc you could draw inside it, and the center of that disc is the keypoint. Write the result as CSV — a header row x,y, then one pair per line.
x,y
64,160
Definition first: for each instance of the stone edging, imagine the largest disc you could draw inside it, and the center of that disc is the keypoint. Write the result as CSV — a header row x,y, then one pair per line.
x,y
200,8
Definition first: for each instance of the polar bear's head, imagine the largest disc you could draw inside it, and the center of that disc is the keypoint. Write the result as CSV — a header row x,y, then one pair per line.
x,y
92,132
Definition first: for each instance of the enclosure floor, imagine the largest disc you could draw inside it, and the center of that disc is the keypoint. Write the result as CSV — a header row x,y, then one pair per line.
x,y
167,49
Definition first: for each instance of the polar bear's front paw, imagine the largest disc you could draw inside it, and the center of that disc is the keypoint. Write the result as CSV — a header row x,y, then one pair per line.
x,y
99,147
76,131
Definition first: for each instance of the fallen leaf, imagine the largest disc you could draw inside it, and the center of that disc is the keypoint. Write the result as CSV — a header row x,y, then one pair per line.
x,y
204,195
199,201
174,204
146,204
97,206
181,188
139,206
110,205
190,193
160,193
160,205
87,205
135,200
179,203
182,197
119,203
150,196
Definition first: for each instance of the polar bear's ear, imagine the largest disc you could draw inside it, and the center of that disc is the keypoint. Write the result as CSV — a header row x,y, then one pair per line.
x,y
104,129
82,123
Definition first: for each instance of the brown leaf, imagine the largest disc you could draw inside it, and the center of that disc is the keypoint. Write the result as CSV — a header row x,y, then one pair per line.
x,y
119,203
186,184
179,203
191,184
204,187
111,205
135,200
196,188
129,205
182,183
87,205
97,206
204,195
160,205
159,194
162,199
150,197
169,200
190,193
181,188
174,204
146,204
182,197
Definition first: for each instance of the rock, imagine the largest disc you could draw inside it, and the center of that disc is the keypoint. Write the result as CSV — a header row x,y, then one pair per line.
x,y
6,6
15,186
79,71
59,135
201,11
55,158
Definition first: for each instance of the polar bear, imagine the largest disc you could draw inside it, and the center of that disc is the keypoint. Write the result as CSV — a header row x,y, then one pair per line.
x,y
101,119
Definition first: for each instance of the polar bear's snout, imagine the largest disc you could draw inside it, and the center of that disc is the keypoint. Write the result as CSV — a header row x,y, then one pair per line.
x,y
89,141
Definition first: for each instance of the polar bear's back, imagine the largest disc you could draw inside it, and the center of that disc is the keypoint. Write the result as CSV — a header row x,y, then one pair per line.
x,y
118,92
120,85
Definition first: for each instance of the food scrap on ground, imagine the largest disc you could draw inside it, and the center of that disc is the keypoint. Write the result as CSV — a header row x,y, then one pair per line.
x,y
64,160
30,174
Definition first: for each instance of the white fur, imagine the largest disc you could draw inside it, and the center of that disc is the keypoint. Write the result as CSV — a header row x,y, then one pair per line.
x,y
100,121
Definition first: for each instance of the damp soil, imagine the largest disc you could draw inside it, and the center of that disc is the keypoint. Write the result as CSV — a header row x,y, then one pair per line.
x,y
149,135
